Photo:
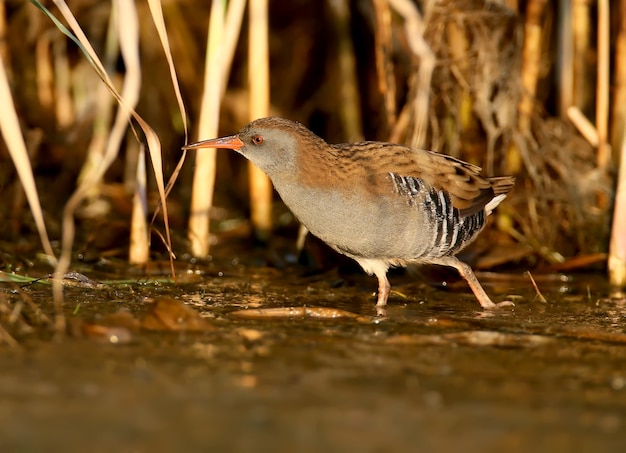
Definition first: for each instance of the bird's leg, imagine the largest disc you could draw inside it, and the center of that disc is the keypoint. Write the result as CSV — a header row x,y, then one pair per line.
x,y
383,293
467,273
383,289
379,269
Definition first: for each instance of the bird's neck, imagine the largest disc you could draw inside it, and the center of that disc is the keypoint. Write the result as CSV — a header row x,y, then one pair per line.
x,y
322,168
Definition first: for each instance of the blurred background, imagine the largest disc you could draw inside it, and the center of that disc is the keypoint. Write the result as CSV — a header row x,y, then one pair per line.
x,y
530,88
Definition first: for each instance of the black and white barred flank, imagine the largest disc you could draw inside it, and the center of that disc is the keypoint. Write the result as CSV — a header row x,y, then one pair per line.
x,y
452,231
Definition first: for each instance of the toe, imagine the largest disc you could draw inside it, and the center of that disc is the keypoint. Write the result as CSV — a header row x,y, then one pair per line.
x,y
505,303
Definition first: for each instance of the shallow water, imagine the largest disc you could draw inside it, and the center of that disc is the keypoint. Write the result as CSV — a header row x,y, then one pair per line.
x,y
435,374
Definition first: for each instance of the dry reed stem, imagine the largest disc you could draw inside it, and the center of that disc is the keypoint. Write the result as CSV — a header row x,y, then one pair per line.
x,y
12,134
204,172
139,250
4,46
232,30
581,28
617,245
531,61
602,86
384,64
565,57
224,29
131,158
104,105
349,103
44,72
531,64
414,26
64,111
302,234
618,123
258,80
402,123
458,47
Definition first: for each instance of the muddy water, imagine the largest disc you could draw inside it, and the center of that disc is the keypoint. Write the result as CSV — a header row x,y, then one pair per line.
x,y
435,374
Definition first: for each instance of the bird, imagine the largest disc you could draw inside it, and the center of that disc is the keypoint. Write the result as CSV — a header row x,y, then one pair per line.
x,y
382,204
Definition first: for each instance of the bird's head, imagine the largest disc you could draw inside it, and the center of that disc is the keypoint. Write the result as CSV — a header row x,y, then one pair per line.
x,y
270,143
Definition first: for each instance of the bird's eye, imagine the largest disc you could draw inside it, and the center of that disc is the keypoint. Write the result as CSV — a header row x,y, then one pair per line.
x,y
257,139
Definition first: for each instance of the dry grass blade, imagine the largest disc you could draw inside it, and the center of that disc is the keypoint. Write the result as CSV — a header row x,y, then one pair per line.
x,y
12,133
153,142
157,17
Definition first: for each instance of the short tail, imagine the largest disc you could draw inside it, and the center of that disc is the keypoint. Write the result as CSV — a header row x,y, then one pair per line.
x,y
501,186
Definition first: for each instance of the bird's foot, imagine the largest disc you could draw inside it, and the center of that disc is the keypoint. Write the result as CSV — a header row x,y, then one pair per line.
x,y
492,306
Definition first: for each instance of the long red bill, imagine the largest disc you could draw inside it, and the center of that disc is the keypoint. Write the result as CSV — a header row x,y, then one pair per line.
x,y
230,142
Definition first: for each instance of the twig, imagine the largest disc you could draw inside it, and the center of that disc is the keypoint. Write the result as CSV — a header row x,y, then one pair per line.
x,y
539,295
584,126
